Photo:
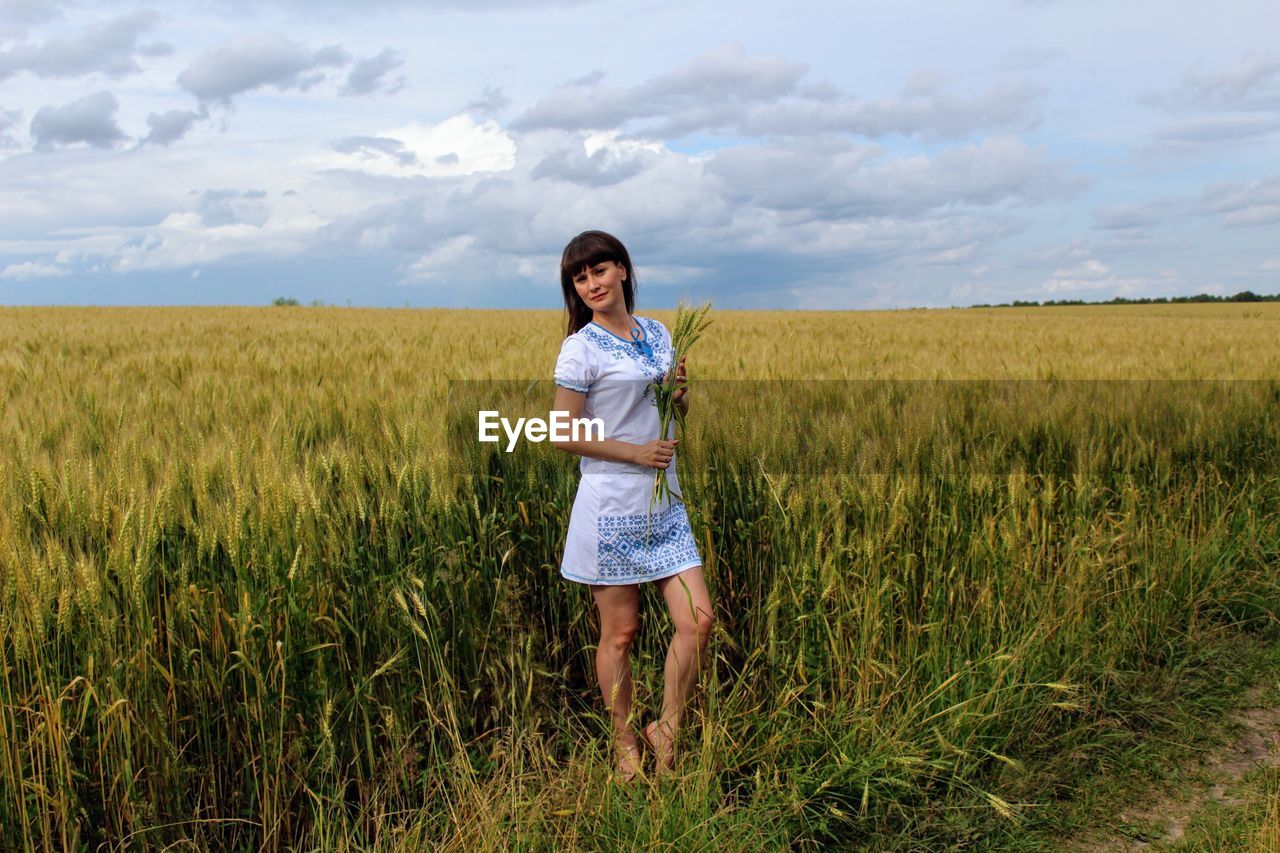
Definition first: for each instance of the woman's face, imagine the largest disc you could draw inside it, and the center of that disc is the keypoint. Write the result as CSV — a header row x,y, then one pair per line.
x,y
600,286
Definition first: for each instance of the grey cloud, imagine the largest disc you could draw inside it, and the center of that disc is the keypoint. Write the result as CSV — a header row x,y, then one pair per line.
x,y
826,178
344,8
1230,203
589,79
1215,129
823,90
9,121
923,109
1129,217
90,119
600,169
1235,204
1027,59
109,47
724,76
170,126
489,103
376,146
725,91
1251,84
248,62
782,212
366,75
1229,108
232,207
1128,227
1193,136
29,11
450,159
406,225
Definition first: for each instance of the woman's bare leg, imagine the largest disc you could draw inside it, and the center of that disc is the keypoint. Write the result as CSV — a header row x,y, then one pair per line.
x,y
690,606
619,621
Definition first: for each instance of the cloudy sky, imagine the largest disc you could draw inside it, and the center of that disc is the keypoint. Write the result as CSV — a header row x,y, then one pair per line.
x,y
808,154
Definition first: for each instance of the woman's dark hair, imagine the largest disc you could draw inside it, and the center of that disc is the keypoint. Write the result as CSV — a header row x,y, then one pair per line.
x,y
584,251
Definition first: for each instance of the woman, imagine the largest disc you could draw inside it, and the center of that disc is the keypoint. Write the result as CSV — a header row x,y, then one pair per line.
x,y
618,537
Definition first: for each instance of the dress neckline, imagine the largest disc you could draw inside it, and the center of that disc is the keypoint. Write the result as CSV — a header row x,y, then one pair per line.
x,y
643,328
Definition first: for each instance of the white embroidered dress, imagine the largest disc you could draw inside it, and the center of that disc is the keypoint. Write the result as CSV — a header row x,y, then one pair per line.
x,y
613,538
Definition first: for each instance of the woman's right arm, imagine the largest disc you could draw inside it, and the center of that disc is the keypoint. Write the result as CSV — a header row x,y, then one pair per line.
x,y
652,454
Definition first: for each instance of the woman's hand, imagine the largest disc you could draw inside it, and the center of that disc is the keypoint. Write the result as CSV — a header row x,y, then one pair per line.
x,y
681,381
656,453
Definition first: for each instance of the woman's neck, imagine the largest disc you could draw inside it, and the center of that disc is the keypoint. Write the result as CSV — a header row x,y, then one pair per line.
x,y
619,322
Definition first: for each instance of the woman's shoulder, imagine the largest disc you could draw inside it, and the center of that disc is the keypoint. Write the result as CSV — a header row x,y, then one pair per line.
x,y
587,343
652,325
578,340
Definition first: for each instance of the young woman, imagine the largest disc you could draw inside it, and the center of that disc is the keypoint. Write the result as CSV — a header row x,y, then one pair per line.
x,y
617,538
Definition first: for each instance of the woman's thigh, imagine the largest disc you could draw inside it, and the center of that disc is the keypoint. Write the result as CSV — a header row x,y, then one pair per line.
x,y
619,607
687,598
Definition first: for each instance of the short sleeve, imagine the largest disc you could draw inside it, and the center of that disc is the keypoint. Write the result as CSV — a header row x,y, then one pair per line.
x,y
575,368
666,333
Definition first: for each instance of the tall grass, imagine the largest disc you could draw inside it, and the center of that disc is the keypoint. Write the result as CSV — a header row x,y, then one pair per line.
x,y
248,598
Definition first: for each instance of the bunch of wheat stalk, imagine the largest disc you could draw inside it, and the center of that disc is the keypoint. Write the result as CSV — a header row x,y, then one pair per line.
x,y
690,324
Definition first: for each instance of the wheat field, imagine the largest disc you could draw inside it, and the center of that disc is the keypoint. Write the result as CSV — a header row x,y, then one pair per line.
x,y
258,590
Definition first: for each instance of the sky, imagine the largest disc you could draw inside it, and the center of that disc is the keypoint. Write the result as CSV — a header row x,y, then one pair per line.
x,y
804,155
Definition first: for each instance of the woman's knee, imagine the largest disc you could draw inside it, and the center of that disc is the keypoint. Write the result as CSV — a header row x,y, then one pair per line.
x,y
706,623
697,625
619,634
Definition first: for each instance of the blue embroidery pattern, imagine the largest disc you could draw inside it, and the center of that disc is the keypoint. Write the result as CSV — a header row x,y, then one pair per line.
x,y
623,552
650,358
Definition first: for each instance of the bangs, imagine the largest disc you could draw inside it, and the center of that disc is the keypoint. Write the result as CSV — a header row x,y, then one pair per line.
x,y
585,253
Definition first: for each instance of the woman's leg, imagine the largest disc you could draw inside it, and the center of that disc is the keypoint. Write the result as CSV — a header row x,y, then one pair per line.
x,y
690,606
619,621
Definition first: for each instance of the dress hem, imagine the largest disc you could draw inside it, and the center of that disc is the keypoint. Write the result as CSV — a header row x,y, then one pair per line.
x,y
628,581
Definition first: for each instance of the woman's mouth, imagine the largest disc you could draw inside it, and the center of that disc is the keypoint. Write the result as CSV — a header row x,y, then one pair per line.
x,y
598,296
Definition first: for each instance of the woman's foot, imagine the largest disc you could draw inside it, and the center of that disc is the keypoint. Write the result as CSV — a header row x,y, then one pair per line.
x,y
661,739
629,759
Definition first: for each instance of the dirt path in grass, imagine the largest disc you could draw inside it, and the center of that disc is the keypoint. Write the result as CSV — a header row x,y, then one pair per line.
x,y
1255,730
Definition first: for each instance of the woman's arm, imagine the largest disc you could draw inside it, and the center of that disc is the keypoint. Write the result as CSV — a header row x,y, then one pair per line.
x,y
652,454
611,449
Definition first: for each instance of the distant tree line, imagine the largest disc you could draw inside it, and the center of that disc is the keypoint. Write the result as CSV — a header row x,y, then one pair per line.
x,y
1242,296
289,300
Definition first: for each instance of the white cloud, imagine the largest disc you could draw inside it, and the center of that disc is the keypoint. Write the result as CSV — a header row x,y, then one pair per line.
x,y
32,269
459,145
1093,276
436,265
183,240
